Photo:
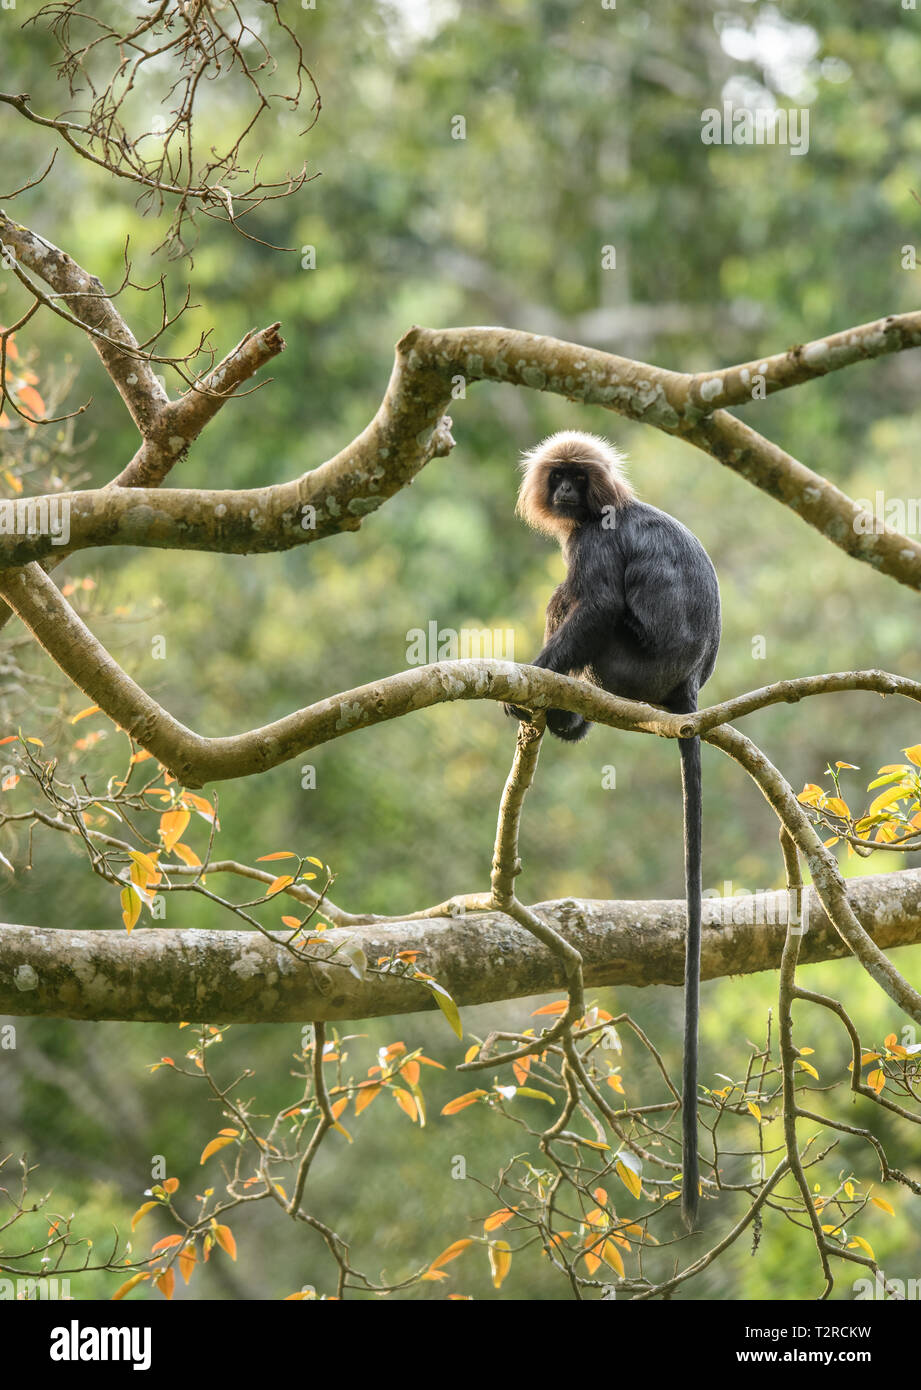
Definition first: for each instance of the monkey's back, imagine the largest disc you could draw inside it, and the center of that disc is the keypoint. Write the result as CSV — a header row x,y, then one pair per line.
x,y
651,571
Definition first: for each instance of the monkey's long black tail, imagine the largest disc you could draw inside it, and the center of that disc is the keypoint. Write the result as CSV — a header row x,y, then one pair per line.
x,y
690,780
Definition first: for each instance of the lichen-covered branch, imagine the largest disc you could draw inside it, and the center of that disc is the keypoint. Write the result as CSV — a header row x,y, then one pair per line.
x,y
168,974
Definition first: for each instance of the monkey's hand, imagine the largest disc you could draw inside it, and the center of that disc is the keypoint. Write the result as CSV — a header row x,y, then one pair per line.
x,y
523,714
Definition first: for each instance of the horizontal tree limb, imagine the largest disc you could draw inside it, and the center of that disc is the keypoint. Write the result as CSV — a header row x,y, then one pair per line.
x,y
196,759
410,428
160,975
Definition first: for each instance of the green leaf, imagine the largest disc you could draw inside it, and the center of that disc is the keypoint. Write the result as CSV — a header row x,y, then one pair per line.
x,y
447,1006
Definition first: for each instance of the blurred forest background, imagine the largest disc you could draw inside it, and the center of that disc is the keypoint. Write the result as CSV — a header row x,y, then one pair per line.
x,y
582,129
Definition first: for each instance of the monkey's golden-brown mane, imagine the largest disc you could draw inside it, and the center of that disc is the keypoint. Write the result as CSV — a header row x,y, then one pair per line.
x,y
599,460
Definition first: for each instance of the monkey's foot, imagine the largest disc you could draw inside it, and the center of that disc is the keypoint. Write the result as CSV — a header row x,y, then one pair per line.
x,y
523,714
566,725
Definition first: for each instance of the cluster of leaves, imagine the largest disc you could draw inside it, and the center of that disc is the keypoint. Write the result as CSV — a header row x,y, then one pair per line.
x,y
893,818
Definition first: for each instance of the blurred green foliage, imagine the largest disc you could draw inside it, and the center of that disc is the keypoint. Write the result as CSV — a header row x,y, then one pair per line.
x,y
582,130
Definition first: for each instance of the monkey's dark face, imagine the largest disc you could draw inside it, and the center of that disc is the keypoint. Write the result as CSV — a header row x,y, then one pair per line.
x,y
567,493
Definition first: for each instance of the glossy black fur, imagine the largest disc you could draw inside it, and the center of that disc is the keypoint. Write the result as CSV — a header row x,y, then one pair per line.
x,y
639,615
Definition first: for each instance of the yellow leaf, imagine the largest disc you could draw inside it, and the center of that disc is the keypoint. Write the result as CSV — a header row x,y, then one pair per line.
x,y
129,1284
807,1066
500,1261
612,1257
876,1080
84,713
837,806
811,795
220,1142
886,798
883,1205
142,1212
188,856
864,1245
131,908
913,754
631,1180
755,1110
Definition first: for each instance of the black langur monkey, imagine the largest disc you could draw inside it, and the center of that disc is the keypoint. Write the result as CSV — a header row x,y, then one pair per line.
x,y
639,615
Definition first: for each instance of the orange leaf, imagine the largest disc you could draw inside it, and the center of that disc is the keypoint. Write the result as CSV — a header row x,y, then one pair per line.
x,y
167,1243
225,1240
187,1261
278,884
166,1282
172,826
451,1253
521,1069
498,1218
405,1101
461,1102
29,397
367,1092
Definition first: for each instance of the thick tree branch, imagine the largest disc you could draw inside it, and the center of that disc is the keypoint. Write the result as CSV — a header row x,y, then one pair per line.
x,y
408,431
165,975
85,297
